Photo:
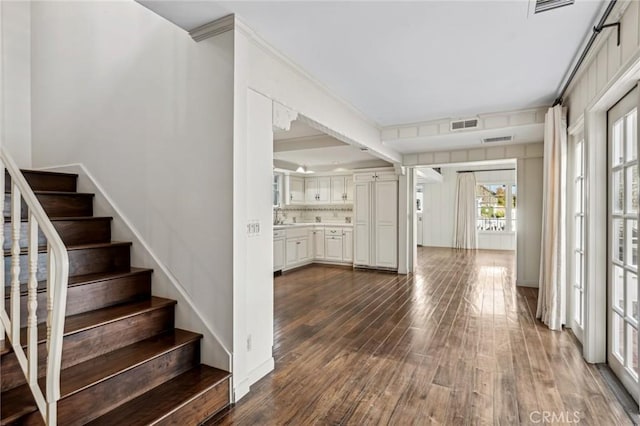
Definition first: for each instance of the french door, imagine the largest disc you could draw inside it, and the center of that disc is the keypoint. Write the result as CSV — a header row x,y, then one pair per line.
x,y
622,285
578,241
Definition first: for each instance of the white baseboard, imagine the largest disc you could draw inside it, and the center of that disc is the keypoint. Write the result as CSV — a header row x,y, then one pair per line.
x,y
523,283
242,388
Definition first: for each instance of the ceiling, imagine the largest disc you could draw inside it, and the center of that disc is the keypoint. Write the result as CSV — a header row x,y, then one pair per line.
x,y
303,145
403,62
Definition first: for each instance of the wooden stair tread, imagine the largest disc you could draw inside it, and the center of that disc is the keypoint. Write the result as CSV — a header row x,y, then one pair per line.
x,y
43,249
46,173
76,323
64,218
124,358
77,280
89,373
79,322
155,404
70,193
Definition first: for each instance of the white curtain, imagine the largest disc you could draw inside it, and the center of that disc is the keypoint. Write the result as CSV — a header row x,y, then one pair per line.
x,y
552,293
465,233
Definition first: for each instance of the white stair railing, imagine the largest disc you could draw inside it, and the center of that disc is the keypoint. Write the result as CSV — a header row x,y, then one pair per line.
x,y
57,280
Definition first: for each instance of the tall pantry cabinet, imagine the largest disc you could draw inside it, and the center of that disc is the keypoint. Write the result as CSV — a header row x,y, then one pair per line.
x,y
375,225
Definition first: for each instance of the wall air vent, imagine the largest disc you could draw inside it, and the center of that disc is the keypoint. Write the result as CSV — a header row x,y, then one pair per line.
x,y
497,139
470,123
544,5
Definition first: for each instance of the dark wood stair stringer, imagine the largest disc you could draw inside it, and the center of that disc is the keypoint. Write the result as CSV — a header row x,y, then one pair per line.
x,y
121,350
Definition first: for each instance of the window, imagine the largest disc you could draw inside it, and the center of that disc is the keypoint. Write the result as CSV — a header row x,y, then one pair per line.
x,y
496,206
276,189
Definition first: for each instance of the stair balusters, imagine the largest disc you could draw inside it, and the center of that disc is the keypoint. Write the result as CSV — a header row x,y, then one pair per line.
x,y
57,281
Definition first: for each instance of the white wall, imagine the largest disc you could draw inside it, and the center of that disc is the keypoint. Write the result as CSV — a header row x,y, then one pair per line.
x,y
439,209
260,69
253,255
529,220
148,112
15,86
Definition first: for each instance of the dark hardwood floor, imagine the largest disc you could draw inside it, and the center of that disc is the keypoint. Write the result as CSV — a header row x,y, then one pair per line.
x,y
456,343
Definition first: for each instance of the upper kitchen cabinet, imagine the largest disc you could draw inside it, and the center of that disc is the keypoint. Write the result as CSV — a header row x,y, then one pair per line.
x,y
295,190
341,190
330,189
376,176
277,189
318,190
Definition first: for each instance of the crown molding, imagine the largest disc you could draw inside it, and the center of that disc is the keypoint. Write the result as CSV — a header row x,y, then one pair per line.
x,y
214,28
488,121
467,155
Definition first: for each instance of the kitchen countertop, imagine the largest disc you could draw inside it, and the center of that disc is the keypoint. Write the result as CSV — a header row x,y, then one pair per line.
x,y
301,225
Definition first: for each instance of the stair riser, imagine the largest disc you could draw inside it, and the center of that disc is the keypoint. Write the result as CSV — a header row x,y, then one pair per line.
x,y
45,182
95,295
94,342
117,390
203,407
72,232
58,205
81,262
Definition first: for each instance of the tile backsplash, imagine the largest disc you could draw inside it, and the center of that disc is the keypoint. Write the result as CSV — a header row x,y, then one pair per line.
x,y
311,214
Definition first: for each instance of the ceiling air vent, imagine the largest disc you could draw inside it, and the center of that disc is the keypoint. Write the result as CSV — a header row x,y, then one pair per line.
x,y
470,123
544,5
497,139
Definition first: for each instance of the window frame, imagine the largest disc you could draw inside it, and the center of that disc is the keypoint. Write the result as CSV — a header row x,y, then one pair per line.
x,y
510,219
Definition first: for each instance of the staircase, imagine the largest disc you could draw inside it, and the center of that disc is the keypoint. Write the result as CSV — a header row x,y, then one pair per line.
x,y
123,361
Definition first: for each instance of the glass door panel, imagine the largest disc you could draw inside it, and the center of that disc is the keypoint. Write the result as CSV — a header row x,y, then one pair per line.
x,y
622,329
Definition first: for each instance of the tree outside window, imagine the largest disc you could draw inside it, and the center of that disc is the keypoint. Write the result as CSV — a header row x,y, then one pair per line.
x,y
496,207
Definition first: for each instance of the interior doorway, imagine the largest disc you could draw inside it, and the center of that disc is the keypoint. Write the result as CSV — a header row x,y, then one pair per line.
x,y
419,210
496,201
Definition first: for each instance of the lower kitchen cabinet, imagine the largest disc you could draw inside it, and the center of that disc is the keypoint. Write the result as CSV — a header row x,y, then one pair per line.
x,y
278,254
316,239
347,246
299,246
333,247
297,250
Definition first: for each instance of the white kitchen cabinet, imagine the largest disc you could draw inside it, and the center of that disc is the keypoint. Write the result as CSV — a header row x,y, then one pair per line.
x,y
375,176
297,251
376,220
303,250
362,223
295,191
292,252
278,254
348,189
347,245
297,247
317,190
317,238
386,223
333,247
341,189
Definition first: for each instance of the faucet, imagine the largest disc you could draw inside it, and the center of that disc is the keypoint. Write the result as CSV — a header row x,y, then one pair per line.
x,y
276,219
